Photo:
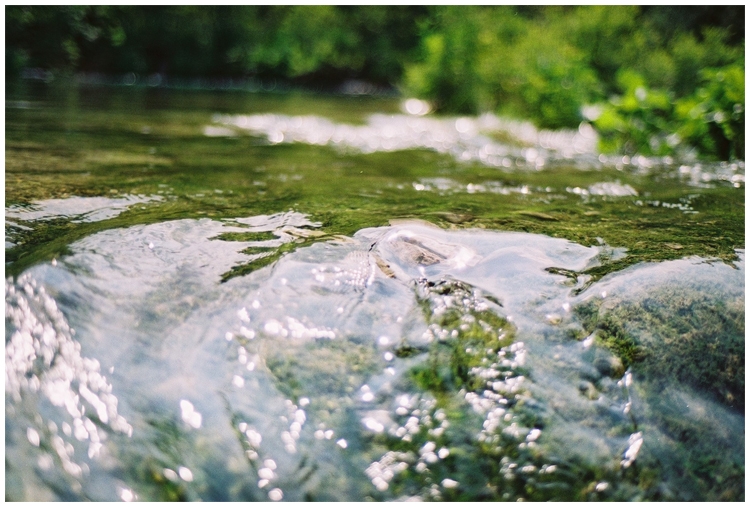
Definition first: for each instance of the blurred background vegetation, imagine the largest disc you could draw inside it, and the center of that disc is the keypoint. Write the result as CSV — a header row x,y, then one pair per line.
x,y
650,79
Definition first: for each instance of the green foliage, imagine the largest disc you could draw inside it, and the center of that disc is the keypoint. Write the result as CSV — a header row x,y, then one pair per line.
x,y
447,74
639,120
660,104
713,119
329,43
546,64
650,121
541,75
487,58
297,45
55,37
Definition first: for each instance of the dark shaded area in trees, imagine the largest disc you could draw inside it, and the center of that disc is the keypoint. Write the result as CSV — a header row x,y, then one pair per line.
x,y
315,44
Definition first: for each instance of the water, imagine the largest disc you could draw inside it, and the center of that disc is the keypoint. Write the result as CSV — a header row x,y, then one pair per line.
x,y
224,296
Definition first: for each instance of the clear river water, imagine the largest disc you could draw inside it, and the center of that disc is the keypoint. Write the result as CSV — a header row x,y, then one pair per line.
x,y
232,296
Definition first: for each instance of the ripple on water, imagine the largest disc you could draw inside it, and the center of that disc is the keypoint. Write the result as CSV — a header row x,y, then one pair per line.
x,y
81,209
464,138
471,139
371,366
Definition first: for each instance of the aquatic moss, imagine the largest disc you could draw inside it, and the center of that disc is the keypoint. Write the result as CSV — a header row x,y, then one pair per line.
x,y
263,257
465,331
63,150
697,460
676,334
610,333
246,236
498,464
162,446
484,457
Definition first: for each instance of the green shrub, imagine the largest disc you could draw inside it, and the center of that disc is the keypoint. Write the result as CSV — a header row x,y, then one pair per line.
x,y
651,122
446,73
713,118
638,121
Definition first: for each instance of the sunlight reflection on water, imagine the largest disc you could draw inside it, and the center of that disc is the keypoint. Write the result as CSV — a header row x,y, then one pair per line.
x,y
464,138
288,375
82,209
471,139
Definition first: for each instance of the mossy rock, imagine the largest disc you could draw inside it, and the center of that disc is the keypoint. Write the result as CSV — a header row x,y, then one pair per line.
x,y
679,334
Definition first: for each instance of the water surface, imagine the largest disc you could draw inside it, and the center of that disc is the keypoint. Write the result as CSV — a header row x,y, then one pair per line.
x,y
228,296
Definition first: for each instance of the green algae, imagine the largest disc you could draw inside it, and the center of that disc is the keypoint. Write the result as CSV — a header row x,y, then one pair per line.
x,y
676,338
150,463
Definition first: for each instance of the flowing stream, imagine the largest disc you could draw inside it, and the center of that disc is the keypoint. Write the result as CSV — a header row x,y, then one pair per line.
x,y
227,296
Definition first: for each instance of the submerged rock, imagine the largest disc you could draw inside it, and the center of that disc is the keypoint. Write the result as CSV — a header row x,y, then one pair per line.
x,y
680,327
687,331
